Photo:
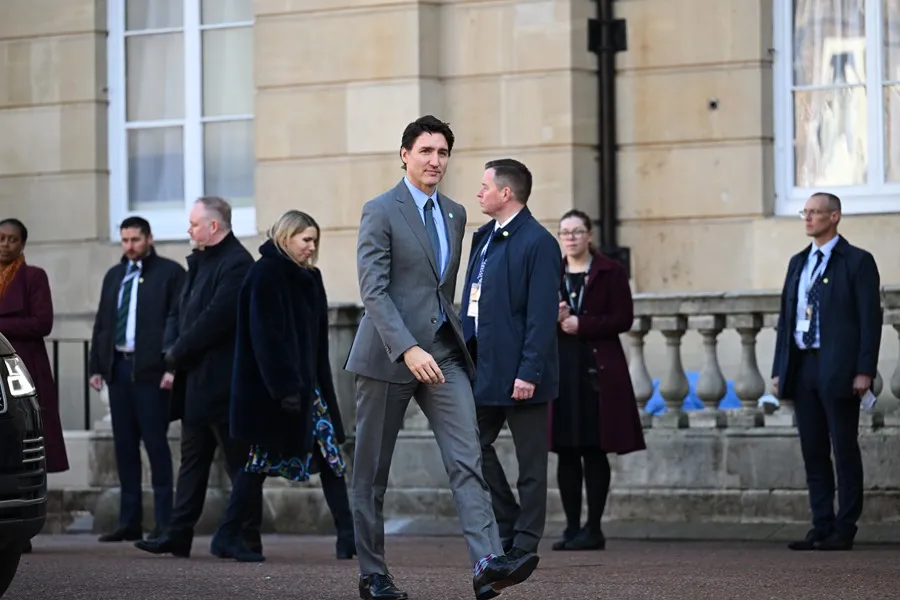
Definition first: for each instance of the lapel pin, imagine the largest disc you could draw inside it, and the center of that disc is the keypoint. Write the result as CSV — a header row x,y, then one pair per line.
x,y
505,234
450,215
141,280
825,280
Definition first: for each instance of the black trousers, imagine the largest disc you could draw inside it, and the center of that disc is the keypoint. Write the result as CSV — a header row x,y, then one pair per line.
x,y
589,466
247,494
825,423
520,526
198,448
140,411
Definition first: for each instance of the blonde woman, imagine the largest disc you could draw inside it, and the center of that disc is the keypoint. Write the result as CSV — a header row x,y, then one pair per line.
x,y
283,403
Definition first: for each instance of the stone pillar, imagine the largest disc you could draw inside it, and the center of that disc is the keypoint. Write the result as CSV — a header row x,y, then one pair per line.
x,y
711,386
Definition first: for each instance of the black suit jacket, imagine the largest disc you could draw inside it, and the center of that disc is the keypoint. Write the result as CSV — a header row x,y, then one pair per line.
x,y
160,282
850,321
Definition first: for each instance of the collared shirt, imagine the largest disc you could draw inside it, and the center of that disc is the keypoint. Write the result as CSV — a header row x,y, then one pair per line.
x,y
132,305
806,279
420,198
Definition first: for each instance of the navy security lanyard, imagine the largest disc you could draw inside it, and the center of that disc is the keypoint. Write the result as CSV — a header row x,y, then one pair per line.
x,y
484,258
576,306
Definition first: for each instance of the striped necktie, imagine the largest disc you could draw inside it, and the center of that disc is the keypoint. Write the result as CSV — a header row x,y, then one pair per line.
x,y
131,274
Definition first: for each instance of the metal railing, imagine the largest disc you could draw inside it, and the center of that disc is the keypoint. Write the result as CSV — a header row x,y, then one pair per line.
x,y
85,375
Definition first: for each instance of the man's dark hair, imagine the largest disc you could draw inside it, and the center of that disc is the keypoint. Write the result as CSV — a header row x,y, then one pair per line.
x,y
139,223
834,203
426,124
23,231
511,173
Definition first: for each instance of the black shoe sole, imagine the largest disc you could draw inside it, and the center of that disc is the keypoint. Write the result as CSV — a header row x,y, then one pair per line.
x,y
365,594
492,590
154,550
129,538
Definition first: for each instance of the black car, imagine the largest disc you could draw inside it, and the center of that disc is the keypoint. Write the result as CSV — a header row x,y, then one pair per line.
x,y
23,473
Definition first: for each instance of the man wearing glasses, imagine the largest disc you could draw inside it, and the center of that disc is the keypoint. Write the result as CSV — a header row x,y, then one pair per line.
x,y
826,354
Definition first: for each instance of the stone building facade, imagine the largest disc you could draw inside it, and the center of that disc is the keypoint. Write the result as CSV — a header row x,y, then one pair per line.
x,y
114,107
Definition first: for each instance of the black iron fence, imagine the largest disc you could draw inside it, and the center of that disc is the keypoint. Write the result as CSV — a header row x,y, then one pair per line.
x,y
80,379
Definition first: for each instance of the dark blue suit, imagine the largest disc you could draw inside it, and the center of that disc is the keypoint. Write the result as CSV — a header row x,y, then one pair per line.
x,y
516,339
820,380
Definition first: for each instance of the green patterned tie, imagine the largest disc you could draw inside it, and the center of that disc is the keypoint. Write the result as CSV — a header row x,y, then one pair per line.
x,y
122,320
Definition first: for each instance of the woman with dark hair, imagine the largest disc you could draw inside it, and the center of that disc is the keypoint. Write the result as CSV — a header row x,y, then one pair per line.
x,y
596,412
26,318
283,402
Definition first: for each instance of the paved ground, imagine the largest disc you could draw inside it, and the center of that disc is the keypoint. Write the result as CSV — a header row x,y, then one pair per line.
x,y
75,567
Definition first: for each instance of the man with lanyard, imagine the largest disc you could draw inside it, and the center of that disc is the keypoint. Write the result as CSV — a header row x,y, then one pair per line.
x,y
826,355
510,305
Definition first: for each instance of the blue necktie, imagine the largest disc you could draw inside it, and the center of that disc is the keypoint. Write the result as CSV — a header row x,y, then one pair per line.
x,y
431,230
812,301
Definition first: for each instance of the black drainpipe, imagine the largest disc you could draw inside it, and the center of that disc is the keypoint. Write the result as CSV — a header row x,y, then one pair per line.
x,y
606,37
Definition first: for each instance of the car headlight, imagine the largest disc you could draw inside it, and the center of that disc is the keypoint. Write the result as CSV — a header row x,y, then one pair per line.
x,y
18,379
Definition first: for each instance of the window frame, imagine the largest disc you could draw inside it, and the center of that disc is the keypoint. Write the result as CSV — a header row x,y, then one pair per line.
x,y
877,196
167,224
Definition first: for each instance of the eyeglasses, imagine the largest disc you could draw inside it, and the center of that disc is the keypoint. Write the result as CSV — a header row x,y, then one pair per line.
x,y
813,212
572,234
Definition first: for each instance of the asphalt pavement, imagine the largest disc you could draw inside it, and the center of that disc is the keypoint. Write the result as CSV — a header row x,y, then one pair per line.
x,y
77,567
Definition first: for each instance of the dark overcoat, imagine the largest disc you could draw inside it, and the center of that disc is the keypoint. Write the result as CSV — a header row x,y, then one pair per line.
x,y
607,312
516,312
850,322
200,330
26,318
281,349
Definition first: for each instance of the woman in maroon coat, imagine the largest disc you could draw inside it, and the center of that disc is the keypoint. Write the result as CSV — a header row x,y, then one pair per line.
x,y
596,412
26,318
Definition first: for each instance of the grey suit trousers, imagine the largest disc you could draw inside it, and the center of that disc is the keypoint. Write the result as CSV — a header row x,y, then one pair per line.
x,y
450,408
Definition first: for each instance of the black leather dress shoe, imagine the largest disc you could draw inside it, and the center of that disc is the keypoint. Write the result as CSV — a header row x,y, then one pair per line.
x,y
835,542
165,544
123,534
587,539
345,550
503,572
813,537
379,587
224,545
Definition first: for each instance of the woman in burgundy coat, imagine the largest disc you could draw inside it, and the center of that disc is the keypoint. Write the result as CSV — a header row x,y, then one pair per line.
x,y
596,412
26,318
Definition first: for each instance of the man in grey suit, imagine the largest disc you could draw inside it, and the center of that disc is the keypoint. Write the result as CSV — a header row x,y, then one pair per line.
x,y
409,344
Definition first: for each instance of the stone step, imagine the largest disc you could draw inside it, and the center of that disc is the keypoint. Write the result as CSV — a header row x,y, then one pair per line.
x,y
302,509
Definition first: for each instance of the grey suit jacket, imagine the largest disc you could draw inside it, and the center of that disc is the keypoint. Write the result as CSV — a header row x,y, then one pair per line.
x,y
399,284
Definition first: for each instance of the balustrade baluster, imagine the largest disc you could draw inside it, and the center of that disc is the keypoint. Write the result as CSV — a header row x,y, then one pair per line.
x,y
674,385
895,378
749,385
637,363
711,386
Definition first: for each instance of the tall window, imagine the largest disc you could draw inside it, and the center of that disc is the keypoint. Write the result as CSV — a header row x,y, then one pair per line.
x,y
837,103
181,110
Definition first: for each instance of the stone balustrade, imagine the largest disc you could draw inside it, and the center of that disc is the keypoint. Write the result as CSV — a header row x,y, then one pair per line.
x,y
747,313
722,458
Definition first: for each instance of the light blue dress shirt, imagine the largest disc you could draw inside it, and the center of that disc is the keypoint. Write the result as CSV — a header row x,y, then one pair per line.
x,y
806,278
420,198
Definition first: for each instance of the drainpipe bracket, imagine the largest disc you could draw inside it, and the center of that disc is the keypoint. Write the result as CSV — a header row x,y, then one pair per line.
x,y
607,35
